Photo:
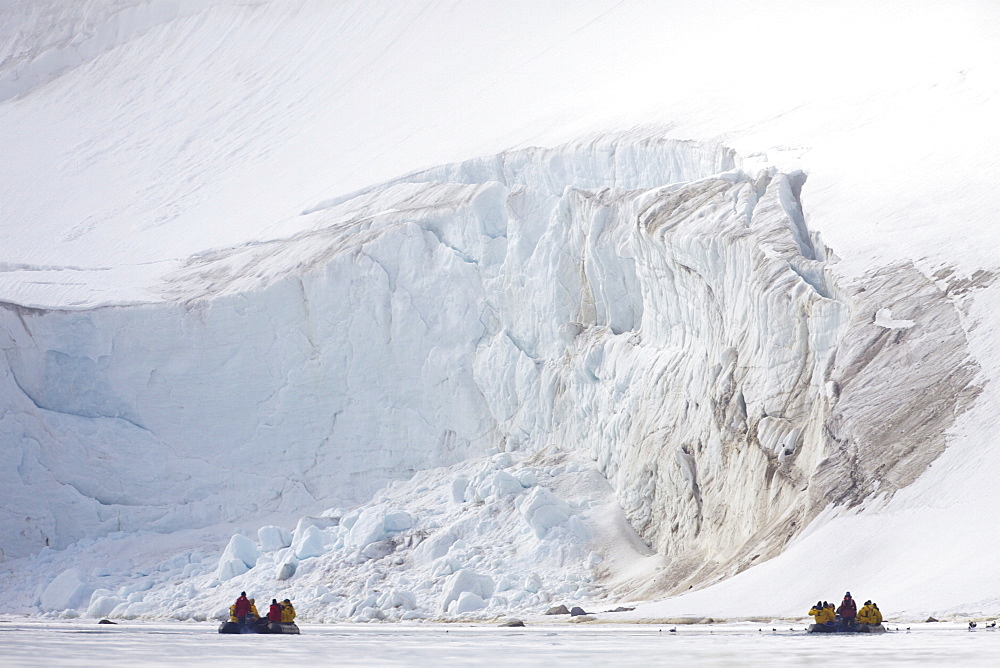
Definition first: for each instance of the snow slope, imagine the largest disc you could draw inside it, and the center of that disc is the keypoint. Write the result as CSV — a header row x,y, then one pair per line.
x,y
730,284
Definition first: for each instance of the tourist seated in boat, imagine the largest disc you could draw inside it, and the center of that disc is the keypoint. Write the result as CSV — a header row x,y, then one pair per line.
x,y
241,609
253,616
274,614
287,612
823,613
869,615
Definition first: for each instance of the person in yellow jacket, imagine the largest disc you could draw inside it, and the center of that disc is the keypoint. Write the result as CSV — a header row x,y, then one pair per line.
x,y
870,614
823,613
866,615
232,614
254,615
287,612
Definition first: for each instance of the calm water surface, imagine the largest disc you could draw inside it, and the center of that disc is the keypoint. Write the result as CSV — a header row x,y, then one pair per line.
x,y
85,643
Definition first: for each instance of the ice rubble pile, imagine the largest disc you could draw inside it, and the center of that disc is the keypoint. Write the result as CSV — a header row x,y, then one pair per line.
x,y
643,302
489,537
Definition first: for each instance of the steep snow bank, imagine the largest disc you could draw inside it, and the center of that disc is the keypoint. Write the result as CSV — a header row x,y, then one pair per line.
x,y
42,40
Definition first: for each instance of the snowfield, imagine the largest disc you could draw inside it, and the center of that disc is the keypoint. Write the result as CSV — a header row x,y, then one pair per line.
x,y
434,312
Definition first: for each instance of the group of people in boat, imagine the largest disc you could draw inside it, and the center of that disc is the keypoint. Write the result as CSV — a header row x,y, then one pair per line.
x,y
847,616
244,611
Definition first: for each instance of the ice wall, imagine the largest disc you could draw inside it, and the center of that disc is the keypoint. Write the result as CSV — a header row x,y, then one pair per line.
x,y
642,300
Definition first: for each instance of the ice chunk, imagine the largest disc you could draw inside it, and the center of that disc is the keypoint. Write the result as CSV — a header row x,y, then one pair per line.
x,y
527,477
287,567
311,544
398,598
502,460
371,613
382,548
355,607
398,521
543,510
505,584
134,586
67,591
467,602
533,583
349,520
369,528
192,569
239,556
498,485
466,581
140,609
567,588
435,547
122,608
321,522
175,563
273,538
458,487
445,566
101,606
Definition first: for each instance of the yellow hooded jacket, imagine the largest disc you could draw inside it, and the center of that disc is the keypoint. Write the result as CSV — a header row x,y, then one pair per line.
x,y
287,612
823,615
232,614
878,614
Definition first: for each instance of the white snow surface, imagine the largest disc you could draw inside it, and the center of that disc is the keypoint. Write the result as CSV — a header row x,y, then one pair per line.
x,y
430,310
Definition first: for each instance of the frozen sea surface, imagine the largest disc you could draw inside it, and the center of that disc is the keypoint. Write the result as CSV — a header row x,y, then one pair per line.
x,y
746,644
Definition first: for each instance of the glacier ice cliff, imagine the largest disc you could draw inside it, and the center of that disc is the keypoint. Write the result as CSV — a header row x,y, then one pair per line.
x,y
645,301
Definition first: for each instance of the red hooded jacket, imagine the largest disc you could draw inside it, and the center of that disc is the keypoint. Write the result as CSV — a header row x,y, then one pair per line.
x,y
848,608
242,606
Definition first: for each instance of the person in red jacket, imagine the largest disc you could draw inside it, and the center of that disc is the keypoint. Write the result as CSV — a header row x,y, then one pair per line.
x,y
242,608
274,614
848,609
